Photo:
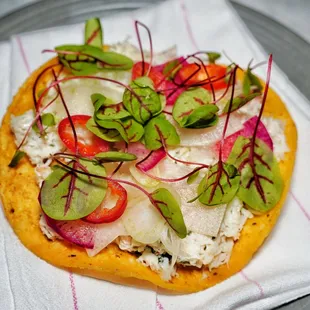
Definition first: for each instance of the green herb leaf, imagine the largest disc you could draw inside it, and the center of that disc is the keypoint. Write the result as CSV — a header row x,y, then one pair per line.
x,y
47,119
191,179
110,135
128,128
106,109
100,101
220,185
158,129
191,109
249,80
87,59
261,183
66,195
16,158
213,56
246,85
173,65
255,81
170,209
115,156
93,32
146,103
240,101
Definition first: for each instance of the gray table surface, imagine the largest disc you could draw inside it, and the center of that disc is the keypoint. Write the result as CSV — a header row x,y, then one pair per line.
x,y
294,14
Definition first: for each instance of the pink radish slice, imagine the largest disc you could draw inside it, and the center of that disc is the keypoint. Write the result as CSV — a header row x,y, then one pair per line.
x,y
78,232
247,131
138,149
152,160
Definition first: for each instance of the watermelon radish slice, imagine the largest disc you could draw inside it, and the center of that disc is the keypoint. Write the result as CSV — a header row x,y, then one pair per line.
x,y
78,232
152,160
247,132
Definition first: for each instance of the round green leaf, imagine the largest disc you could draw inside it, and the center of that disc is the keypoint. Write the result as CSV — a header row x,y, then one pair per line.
x,y
66,195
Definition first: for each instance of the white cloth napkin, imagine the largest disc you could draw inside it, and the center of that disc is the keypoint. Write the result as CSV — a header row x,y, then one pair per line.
x,y
278,273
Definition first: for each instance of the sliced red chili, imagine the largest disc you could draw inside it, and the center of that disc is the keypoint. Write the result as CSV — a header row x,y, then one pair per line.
x,y
105,215
88,144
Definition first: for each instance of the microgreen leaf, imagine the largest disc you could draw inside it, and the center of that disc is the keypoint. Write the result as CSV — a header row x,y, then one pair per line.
x,y
16,158
115,156
173,67
93,32
110,135
246,85
213,56
47,120
145,103
159,130
128,128
191,179
255,81
191,109
220,184
87,59
106,109
261,183
240,101
100,101
66,195
250,80
170,210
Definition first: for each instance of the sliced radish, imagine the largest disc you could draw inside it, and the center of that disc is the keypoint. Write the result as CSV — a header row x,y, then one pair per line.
x,y
78,232
247,132
152,160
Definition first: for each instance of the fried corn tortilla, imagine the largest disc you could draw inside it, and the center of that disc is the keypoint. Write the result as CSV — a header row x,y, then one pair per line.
x,y
19,193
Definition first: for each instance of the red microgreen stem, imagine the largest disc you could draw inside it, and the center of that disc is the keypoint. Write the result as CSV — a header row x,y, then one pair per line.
x,y
171,180
67,112
228,112
34,94
264,97
137,23
207,74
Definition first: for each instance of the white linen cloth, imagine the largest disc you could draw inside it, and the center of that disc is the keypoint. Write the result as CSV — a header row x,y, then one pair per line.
x,y
278,273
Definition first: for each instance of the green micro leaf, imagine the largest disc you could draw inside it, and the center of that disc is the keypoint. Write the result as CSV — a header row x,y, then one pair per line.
x,y
246,85
192,109
191,179
93,32
67,195
240,101
47,120
220,184
100,101
172,67
16,158
170,210
213,56
87,59
115,156
110,135
105,109
261,184
129,129
251,80
145,103
159,129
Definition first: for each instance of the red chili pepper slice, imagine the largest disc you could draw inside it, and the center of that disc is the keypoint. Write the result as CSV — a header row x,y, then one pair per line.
x,y
105,215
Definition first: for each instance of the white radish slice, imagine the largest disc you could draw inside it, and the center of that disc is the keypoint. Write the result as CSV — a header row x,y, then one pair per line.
x,y
106,234
143,221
